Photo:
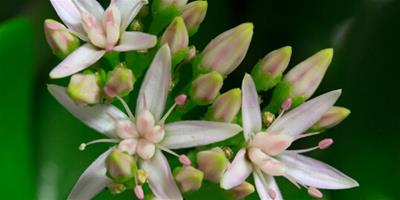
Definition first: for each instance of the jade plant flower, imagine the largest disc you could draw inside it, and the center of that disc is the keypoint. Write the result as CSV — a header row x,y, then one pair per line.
x,y
266,154
143,136
102,30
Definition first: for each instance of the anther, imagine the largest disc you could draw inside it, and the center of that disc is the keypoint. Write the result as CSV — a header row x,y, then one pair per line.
x,y
139,192
287,104
181,99
184,160
314,192
325,143
83,146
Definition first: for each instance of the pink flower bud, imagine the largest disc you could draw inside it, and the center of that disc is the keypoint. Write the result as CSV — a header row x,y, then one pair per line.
x,y
206,87
212,163
178,3
224,53
61,41
176,36
120,166
119,82
194,14
188,178
83,88
226,106
333,117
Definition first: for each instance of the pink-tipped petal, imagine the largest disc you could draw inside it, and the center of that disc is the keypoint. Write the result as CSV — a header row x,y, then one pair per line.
x,y
92,181
251,114
131,41
237,172
92,7
129,9
154,90
160,178
303,117
99,117
323,176
78,60
185,134
267,188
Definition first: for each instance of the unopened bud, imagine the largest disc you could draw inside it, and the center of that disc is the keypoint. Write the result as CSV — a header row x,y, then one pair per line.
x,y
306,76
61,41
141,176
206,87
242,190
194,14
268,71
84,88
268,118
116,188
224,53
120,166
212,163
119,82
176,36
188,178
226,106
333,117
179,4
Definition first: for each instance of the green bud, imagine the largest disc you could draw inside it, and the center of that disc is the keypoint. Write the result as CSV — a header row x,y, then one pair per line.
x,y
188,178
176,36
116,188
61,41
177,3
306,76
206,87
242,190
333,117
120,166
84,88
194,14
268,71
224,53
119,82
212,163
226,106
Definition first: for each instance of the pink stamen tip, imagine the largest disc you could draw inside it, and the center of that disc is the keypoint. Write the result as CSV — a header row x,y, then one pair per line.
x,y
314,192
109,47
271,193
139,192
181,99
325,143
287,104
185,160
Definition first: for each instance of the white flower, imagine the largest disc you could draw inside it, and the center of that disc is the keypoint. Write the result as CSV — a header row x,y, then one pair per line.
x,y
266,153
144,136
103,30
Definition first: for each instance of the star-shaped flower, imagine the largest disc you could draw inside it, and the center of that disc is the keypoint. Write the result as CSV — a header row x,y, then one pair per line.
x,y
144,136
266,154
102,30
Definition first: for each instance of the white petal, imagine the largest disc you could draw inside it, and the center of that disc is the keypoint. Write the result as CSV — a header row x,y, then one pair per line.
x,y
92,7
154,90
251,114
129,9
315,173
71,17
265,183
78,60
131,41
96,117
237,172
160,178
92,181
185,134
303,117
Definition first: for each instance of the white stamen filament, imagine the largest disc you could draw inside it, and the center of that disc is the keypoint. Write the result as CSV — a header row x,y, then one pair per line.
x,y
162,120
183,159
307,135
131,116
83,146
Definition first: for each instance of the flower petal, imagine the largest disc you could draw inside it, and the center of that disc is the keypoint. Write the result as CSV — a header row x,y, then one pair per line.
x,y
92,181
265,183
131,41
303,117
154,90
251,114
315,173
92,7
185,134
96,117
80,59
160,178
237,172
129,9
69,14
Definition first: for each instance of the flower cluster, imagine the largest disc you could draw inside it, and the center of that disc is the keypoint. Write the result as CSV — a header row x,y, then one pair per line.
x,y
131,42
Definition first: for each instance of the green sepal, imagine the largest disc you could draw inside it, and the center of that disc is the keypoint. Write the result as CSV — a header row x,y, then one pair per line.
x,y
193,31
162,17
264,81
178,57
279,95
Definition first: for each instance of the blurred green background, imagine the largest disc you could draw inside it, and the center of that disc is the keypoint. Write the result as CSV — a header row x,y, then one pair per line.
x,y
39,148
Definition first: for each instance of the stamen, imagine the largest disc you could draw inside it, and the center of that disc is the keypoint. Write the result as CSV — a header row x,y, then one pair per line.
x,y
83,146
325,143
183,159
181,99
162,120
307,135
287,104
314,192
131,116
302,150
292,181
139,192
